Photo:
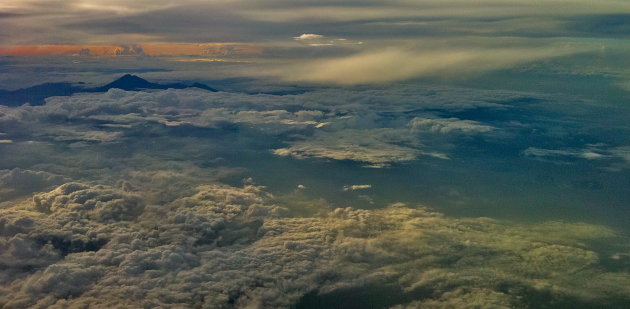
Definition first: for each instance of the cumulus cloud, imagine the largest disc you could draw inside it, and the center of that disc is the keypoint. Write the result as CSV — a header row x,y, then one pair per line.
x,y
229,247
376,147
96,203
127,50
448,125
150,223
464,298
18,181
59,134
339,124
172,108
76,220
308,37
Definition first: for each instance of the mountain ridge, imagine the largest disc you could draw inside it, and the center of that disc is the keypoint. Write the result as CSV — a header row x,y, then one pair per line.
x,y
36,95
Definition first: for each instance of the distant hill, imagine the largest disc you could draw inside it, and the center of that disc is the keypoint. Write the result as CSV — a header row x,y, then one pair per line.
x,y
131,83
37,95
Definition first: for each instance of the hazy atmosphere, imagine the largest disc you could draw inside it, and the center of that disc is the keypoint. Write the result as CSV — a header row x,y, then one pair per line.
x,y
314,154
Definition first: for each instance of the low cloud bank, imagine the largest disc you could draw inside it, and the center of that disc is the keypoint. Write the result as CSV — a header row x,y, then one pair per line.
x,y
230,247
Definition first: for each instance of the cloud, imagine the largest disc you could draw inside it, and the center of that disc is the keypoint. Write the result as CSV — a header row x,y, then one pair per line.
x,y
127,50
18,181
539,152
226,246
312,39
98,203
357,136
356,187
208,215
154,49
622,152
376,147
308,36
448,125
464,298
612,158
344,12
393,64
70,134
271,26
338,124
149,223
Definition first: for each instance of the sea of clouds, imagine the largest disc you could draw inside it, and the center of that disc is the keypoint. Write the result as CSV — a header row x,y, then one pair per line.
x,y
118,199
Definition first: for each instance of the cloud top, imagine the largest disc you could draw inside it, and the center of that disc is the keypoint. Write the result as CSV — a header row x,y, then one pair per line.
x,y
215,247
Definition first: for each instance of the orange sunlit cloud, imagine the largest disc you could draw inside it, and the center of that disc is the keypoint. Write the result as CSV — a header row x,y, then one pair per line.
x,y
155,49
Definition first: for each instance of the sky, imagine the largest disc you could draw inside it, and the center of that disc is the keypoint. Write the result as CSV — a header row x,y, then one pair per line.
x,y
348,42
344,154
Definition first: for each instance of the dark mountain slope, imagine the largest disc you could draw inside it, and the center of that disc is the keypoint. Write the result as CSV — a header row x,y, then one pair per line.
x,y
37,95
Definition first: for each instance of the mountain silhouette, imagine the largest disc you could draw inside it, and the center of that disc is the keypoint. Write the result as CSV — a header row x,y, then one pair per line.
x,y
37,95
131,82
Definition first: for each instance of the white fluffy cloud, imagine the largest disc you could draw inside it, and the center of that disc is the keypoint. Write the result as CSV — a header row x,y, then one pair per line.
x,y
329,123
376,147
149,223
18,181
27,179
228,247
448,125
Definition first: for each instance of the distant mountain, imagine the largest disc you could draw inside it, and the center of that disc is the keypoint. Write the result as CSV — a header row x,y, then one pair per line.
x,y
37,95
130,82
202,86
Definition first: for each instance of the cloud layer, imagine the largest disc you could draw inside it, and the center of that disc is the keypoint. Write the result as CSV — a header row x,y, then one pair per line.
x,y
393,64
329,42
228,247
149,199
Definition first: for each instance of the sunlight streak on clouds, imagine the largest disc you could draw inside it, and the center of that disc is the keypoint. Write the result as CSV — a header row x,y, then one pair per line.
x,y
398,64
